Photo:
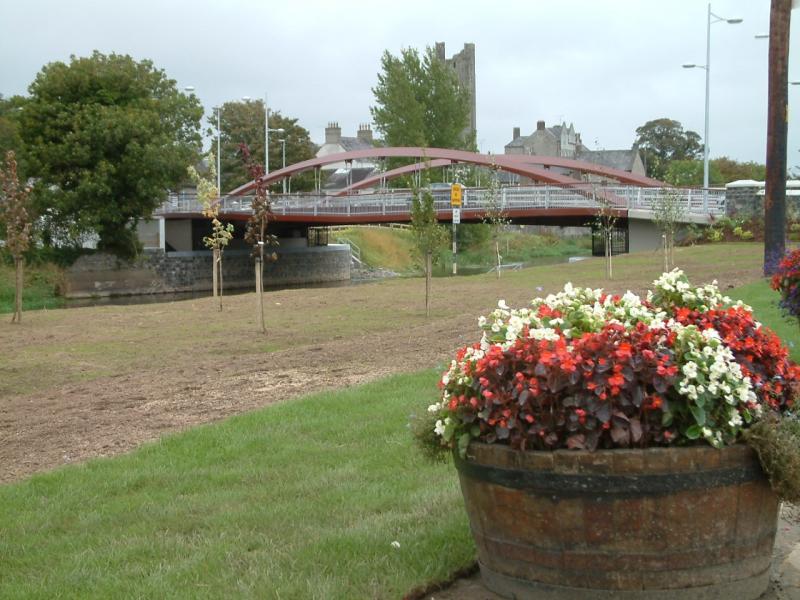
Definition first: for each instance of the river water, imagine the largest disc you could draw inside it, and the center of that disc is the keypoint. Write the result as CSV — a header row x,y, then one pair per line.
x,y
441,271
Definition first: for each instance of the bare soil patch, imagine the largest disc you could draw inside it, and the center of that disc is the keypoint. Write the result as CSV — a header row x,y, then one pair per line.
x,y
82,383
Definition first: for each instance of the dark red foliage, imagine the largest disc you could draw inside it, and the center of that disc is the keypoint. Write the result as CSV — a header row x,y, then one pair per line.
x,y
786,280
607,390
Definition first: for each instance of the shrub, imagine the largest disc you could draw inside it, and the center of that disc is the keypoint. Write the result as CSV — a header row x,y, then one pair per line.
x,y
585,370
776,441
714,234
786,281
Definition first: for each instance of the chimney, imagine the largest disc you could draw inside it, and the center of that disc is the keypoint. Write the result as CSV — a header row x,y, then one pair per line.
x,y
333,133
516,133
539,125
365,133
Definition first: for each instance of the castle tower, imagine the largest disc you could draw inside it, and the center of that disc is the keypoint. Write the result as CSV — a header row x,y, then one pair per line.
x,y
463,63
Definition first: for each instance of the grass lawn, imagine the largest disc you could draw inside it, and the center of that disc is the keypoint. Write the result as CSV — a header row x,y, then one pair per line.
x,y
298,500
192,333
39,291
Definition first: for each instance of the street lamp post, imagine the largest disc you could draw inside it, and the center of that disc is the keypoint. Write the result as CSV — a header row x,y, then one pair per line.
x,y
267,131
712,18
219,138
283,160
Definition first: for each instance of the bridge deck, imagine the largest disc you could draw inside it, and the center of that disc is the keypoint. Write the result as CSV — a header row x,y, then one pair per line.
x,y
519,204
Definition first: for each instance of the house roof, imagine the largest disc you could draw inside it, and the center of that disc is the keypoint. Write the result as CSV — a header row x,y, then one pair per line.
x,y
353,143
518,142
615,159
339,178
527,140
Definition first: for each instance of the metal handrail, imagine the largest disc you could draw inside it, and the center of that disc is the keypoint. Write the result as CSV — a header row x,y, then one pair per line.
x,y
398,203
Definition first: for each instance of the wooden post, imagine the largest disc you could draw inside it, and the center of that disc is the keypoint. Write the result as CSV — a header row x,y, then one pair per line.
x,y
218,265
260,294
18,268
497,254
777,126
214,267
428,267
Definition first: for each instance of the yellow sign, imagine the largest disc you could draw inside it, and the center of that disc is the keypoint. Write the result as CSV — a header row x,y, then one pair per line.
x,y
455,195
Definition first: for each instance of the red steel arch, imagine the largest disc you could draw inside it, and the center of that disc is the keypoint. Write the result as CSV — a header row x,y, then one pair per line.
x,y
519,164
394,173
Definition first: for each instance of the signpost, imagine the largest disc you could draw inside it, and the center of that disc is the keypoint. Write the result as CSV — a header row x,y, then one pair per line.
x,y
456,194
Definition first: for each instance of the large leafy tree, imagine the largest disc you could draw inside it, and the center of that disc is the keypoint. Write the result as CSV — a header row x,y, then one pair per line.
x,y
663,141
243,123
106,136
720,171
419,102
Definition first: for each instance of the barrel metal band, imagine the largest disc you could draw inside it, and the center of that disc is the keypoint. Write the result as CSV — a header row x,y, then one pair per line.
x,y
580,484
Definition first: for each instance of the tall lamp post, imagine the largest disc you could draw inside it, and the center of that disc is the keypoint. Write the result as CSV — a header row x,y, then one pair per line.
x,y
283,160
267,131
712,18
219,138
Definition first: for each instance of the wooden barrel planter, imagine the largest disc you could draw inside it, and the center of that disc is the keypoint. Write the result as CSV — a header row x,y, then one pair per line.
x,y
662,523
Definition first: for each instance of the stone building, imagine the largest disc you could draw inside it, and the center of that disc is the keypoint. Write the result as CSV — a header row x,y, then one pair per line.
x,y
564,142
342,174
560,140
463,63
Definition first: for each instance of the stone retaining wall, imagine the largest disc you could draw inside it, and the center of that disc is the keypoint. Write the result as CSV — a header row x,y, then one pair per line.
x,y
747,202
158,272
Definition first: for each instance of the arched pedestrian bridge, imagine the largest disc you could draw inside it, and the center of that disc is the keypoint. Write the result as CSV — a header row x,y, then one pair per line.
x,y
543,204
563,192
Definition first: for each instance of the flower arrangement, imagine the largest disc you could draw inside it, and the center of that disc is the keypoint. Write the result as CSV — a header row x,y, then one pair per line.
x,y
786,281
582,369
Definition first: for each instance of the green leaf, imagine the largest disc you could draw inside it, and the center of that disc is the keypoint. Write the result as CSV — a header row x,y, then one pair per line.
x,y
463,441
693,432
699,414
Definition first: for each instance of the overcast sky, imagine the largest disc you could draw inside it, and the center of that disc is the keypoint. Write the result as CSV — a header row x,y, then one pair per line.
x,y
607,66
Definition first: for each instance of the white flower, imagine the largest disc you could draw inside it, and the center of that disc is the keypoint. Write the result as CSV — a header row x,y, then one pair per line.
x,y
690,370
439,428
395,544
735,420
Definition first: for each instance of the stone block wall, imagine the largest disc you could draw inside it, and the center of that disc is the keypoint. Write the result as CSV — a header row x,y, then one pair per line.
x,y
747,202
159,272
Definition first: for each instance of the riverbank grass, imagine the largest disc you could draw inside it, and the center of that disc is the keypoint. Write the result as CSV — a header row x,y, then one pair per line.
x,y
41,285
324,497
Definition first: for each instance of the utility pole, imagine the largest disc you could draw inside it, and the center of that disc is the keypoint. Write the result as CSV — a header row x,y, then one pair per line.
x,y
777,127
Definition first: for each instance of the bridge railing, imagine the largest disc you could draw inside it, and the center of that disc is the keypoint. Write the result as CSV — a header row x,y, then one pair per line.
x,y
398,203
